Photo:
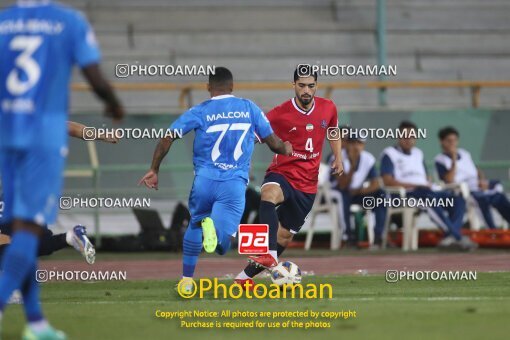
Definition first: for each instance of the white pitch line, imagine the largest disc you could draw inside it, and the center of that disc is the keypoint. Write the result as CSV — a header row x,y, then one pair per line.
x,y
438,298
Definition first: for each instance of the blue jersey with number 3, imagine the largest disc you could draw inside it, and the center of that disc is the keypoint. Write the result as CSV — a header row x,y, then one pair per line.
x,y
225,128
39,43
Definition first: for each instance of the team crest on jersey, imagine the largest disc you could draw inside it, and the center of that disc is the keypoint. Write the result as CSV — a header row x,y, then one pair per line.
x,y
324,125
309,127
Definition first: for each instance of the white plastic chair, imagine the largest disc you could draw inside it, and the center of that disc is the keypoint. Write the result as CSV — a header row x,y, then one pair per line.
x,y
324,204
409,230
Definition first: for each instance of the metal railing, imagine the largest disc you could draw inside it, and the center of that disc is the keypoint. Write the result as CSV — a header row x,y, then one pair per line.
x,y
185,90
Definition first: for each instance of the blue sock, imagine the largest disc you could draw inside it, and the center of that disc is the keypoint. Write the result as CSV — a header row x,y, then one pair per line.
x,y
192,246
30,292
223,242
18,263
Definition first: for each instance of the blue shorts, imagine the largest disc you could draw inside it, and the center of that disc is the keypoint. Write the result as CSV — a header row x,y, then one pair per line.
x,y
32,183
296,206
223,201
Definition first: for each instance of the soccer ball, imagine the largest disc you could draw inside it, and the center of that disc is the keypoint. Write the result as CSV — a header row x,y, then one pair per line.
x,y
286,273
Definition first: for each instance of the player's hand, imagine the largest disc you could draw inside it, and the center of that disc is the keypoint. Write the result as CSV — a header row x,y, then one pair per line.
x,y
288,148
110,139
338,167
150,180
113,140
453,155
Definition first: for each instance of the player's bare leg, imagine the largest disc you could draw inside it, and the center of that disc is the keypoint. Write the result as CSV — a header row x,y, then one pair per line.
x,y
271,196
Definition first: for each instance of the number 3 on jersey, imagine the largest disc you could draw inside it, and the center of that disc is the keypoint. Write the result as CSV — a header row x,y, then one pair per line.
x,y
27,45
223,128
309,145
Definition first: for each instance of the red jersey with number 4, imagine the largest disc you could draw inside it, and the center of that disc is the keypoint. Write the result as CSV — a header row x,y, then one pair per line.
x,y
306,131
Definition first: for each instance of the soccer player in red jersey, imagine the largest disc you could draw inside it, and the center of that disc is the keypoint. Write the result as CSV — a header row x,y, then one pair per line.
x,y
291,181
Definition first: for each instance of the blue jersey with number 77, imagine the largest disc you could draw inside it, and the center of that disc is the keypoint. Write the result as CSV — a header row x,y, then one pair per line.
x,y
39,43
225,130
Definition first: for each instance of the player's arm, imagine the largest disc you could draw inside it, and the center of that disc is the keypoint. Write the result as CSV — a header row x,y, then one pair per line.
x,y
387,174
390,181
373,183
104,91
345,180
277,145
186,122
263,129
482,181
337,164
76,130
336,145
160,152
86,54
151,177
372,187
449,175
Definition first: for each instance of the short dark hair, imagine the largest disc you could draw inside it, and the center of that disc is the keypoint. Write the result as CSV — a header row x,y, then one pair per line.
x,y
405,124
446,131
296,75
222,77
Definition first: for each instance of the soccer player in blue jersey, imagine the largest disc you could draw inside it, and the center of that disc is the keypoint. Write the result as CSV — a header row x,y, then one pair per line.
x,y
225,130
40,42
48,242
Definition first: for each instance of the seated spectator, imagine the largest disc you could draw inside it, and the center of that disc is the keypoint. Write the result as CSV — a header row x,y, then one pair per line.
x,y
455,165
403,165
359,168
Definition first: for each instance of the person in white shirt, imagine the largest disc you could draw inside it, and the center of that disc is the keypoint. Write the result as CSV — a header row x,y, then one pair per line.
x,y
360,168
403,165
455,165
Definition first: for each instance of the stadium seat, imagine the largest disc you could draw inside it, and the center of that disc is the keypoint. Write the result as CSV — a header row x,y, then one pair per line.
x,y
324,204
369,221
354,209
472,212
409,230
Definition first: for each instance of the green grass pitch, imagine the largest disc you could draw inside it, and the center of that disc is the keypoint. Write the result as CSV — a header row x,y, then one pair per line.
x,y
404,310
